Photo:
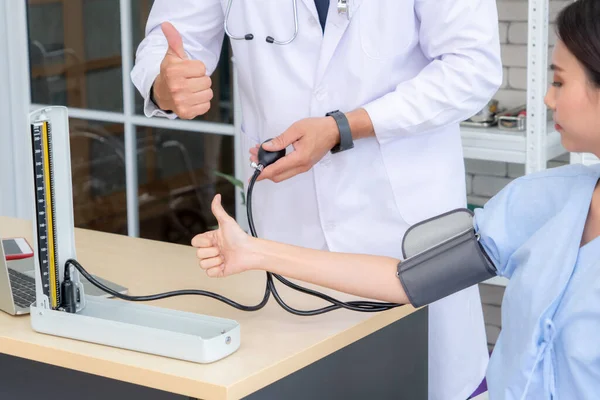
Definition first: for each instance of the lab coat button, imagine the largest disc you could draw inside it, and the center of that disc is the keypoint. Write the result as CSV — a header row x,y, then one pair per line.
x,y
320,93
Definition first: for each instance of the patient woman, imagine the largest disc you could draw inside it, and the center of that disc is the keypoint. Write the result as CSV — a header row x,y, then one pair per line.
x,y
541,231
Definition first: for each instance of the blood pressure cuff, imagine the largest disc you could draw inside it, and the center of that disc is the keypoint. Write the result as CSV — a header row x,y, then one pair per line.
x,y
442,256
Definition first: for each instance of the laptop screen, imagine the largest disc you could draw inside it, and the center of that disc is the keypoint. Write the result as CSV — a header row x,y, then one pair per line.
x,y
11,247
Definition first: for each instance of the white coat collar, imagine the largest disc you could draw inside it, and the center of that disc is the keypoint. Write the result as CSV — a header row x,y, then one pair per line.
x,y
336,26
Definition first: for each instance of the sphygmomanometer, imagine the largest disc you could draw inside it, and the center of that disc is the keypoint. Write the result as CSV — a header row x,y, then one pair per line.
x,y
442,255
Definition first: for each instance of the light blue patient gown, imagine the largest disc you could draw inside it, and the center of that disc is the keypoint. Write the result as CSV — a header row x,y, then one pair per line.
x,y
549,347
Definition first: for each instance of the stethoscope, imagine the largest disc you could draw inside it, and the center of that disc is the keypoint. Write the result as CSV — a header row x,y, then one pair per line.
x,y
342,7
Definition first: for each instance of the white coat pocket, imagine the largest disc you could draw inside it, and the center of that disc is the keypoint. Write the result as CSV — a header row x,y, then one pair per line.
x,y
387,27
426,173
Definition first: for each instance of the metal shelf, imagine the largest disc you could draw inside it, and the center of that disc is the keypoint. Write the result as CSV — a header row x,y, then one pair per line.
x,y
539,143
584,158
493,144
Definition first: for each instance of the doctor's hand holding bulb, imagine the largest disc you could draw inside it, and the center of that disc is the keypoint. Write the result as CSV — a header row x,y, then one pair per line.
x,y
311,139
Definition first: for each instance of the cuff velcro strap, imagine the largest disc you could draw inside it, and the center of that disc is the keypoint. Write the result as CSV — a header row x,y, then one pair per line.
x,y
442,256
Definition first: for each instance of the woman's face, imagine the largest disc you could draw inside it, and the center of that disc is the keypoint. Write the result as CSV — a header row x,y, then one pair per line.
x,y
575,102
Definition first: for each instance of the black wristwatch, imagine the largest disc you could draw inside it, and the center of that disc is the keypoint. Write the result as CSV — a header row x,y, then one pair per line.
x,y
346,142
152,99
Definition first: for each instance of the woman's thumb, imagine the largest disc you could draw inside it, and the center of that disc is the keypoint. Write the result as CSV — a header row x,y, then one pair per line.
x,y
218,210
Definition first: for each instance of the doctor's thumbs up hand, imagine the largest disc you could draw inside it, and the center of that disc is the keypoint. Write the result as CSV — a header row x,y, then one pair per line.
x,y
227,250
312,138
182,85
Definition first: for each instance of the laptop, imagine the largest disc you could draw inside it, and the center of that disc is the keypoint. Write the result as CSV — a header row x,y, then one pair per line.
x,y
17,278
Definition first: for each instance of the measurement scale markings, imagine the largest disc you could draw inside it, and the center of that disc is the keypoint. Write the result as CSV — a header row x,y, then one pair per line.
x,y
42,148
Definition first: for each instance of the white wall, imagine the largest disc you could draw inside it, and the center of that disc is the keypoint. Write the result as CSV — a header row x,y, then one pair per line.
x,y
486,178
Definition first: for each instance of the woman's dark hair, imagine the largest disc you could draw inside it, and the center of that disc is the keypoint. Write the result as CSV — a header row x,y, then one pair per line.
x,y
578,27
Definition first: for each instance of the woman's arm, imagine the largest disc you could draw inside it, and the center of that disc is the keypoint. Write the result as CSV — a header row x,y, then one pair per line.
x,y
229,250
362,275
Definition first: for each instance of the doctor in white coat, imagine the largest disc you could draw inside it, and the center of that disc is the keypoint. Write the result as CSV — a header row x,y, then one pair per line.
x,y
402,74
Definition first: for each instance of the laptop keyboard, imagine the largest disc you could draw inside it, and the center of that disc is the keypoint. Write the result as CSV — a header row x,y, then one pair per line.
x,y
23,288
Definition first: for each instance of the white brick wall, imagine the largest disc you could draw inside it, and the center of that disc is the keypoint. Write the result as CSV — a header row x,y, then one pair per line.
x,y
512,11
513,38
556,6
514,55
491,300
517,34
485,178
517,78
503,32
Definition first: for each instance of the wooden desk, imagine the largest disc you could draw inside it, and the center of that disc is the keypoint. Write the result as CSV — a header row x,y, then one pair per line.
x,y
281,355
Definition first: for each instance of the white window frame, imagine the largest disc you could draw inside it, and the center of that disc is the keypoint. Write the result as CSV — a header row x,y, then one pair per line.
x,y
14,107
14,74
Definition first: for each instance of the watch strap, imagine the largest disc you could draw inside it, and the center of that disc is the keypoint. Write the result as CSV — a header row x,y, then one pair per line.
x,y
153,100
346,142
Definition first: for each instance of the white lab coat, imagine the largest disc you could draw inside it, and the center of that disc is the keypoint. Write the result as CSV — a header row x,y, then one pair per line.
x,y
418,67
